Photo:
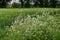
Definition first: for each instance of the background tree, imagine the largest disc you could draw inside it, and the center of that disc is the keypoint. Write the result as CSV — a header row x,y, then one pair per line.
x,y
27,4
3,3
41,3
46,3
22,3
15,5
53,3
37,3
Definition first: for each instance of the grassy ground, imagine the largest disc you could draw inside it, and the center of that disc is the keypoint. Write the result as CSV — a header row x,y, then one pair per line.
x,y
8,15
30,24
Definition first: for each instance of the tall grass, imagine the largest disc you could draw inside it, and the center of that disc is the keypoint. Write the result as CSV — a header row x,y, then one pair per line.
x,y
31,24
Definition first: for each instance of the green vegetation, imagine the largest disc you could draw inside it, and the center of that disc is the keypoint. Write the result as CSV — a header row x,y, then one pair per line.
x,y
29,3
7,16
30,24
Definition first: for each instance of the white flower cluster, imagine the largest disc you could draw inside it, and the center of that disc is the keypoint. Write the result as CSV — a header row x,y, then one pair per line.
x,y
36,27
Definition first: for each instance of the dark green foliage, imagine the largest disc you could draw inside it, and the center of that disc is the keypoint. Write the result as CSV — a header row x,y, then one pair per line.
x,y
53,3
27,4
3,3
41,3
15,5
46,3
22,3
37,3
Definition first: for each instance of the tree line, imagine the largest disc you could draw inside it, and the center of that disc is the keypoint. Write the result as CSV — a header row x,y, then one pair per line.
x,y
31,3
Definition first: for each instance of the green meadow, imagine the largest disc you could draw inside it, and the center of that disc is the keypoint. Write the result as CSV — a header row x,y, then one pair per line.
x,y
30,24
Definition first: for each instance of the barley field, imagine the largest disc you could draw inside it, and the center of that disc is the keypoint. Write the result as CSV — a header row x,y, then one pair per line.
x,y
30,24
